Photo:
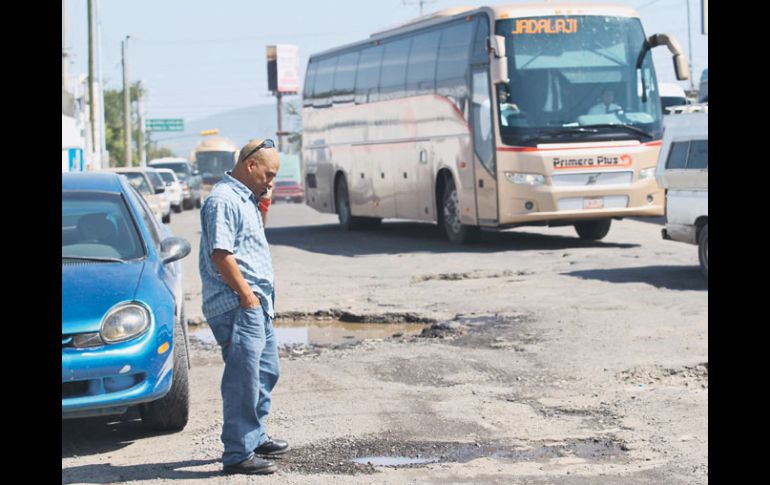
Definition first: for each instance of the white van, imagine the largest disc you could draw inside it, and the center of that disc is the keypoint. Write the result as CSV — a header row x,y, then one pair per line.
x,y
682,171
671,94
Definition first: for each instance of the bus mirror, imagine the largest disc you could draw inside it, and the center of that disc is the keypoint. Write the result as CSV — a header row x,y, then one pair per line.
x,y
680,68
496,44
499,70
680,65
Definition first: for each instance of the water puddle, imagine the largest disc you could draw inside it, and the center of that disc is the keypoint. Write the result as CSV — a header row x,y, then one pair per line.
x,y
324,332
393,460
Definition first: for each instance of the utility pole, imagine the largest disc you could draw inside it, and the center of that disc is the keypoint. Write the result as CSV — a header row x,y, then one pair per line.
x,y
64,45
126,106
91,99
140,141
105,158
689,40
280,121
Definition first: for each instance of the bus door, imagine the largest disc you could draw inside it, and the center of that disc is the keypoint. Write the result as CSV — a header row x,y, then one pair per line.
x,y
484,160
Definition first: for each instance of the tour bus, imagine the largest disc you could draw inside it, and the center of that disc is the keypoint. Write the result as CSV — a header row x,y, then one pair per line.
x,y
683,172
490,117
213,157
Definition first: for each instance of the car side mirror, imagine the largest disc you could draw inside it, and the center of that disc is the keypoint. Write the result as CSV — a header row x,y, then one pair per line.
x,y
196,172
173,249
160,190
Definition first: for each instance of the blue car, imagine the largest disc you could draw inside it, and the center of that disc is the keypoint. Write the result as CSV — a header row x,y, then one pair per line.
x,y
124,333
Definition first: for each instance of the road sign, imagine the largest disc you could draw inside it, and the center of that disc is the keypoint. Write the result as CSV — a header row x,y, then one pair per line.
x,y
172,124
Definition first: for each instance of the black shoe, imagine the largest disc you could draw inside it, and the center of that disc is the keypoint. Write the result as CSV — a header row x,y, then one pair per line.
x,y
272,447
249,466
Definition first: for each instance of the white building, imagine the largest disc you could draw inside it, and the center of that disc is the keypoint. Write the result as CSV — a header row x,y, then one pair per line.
x,y
78,151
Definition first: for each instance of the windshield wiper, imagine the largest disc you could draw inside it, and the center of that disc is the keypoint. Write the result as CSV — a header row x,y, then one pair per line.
x,y
562,133
94,258
625,127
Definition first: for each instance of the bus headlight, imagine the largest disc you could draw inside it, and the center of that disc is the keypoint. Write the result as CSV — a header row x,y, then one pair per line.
x,y
647,173
525,178
124,322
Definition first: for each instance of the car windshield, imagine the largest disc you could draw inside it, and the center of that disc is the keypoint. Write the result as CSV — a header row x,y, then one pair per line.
x,y
577,71
98,227
139,182
181,169
155,178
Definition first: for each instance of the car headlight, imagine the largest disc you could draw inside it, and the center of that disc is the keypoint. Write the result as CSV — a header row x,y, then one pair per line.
x,y
525,178
124,322
647,173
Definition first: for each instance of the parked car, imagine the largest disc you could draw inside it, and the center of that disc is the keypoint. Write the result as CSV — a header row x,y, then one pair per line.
x,y
143,184
173,188
157,182
124,332
288,190
683,171
189,177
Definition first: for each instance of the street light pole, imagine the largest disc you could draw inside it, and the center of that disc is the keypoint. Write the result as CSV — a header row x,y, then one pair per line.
x,y
689,40
91,99
126,106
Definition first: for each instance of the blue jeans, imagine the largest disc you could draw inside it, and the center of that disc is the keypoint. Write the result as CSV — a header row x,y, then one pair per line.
x,y
250,351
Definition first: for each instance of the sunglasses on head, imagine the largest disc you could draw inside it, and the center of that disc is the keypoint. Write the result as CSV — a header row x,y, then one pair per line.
x,y
265,144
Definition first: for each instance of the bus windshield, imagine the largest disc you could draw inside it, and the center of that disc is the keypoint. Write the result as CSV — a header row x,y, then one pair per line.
x,y
214,164
576,77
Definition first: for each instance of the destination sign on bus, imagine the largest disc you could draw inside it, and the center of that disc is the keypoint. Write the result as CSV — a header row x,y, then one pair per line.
x,y
546,26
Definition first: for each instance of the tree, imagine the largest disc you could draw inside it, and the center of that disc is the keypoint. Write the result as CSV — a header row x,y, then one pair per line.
x,y
113,120
295,117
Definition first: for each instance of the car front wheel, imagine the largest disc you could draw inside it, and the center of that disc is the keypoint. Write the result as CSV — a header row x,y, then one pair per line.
x,y
170,413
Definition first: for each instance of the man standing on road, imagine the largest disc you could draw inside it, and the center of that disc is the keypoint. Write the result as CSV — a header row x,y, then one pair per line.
x,y
237,275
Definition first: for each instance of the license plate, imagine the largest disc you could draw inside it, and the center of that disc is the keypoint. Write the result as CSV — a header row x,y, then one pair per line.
x,y
593,203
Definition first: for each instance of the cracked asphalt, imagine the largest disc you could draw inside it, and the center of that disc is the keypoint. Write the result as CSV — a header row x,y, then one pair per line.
x,y
544,359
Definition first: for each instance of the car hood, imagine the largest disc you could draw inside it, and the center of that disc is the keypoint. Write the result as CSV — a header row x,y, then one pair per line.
x,y
88,290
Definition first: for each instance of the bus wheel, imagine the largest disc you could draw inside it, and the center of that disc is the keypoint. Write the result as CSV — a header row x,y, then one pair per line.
x,y
347,220
456,231
593,230
703,250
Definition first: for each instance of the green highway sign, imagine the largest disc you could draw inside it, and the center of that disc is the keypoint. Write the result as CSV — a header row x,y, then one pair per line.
x,y
173,124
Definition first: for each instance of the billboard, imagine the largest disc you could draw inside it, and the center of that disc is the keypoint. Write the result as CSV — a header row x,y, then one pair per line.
x,y
283,68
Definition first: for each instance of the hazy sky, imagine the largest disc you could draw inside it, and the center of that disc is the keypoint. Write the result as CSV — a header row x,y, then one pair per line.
x,y
197,57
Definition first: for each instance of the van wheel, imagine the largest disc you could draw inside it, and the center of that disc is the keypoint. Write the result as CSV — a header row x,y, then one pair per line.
x,y
166,219
456,232
170,413
703,250
198,202
593,230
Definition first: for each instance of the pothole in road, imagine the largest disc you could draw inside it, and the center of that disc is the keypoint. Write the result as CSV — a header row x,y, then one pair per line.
x,y
321,333
352,456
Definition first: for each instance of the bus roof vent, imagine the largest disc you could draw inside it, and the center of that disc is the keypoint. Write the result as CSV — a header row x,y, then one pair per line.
x,y
425,19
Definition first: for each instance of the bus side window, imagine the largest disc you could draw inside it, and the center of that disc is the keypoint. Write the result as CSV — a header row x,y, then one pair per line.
x,y
324,82
453,61
393,74
307,93
345,78
421,71
368,77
